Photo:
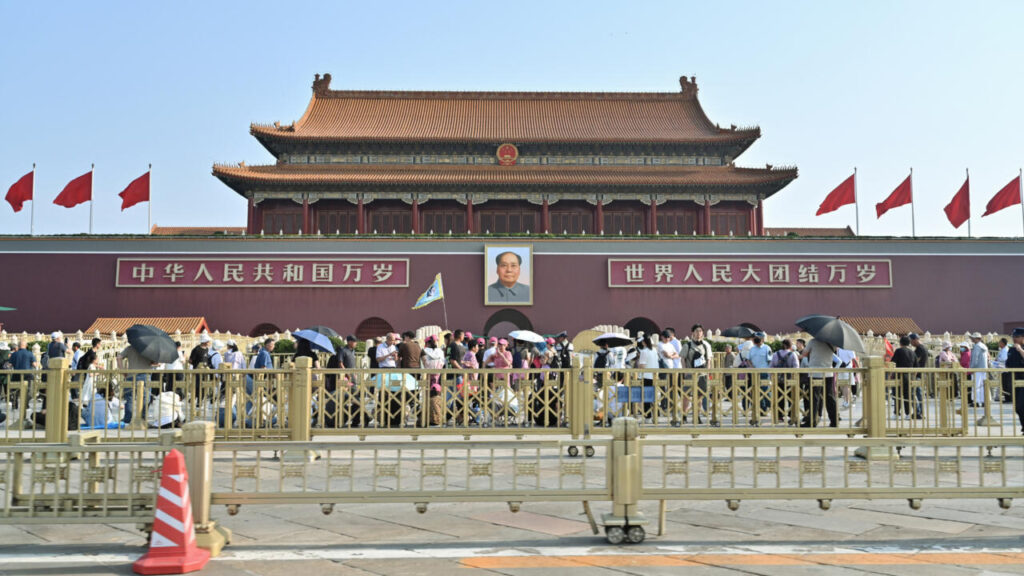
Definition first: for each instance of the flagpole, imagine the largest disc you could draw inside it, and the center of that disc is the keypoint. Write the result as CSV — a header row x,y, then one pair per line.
x,y
91,202
32,215
1020,188
856,205
968,171
913,225
444,306
149,203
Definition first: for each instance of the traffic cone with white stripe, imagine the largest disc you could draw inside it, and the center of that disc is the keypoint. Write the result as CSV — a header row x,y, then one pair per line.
x,y
172,547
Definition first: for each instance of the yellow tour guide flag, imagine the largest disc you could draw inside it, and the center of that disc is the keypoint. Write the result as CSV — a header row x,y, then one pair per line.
x,y
434,293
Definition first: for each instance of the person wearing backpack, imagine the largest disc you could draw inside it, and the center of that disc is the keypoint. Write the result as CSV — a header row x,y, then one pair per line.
x,y
784,357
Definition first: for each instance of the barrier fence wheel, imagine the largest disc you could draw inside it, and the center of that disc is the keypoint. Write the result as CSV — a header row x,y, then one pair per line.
x,y
589,451
635,534
615,534
573,451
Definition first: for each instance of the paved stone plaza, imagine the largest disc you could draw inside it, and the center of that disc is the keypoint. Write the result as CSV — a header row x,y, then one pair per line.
x,y
778,537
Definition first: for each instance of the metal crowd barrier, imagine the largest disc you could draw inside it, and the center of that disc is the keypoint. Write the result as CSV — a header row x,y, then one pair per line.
x,y
88,481
299,403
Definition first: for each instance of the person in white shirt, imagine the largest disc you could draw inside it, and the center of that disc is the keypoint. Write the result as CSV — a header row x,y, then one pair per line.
x,y
647,359
979,359
387,354
847,359
1002,354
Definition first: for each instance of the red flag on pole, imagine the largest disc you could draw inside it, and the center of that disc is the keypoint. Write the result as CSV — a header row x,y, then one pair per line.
x,y
21,191
77,191
1008,196
901,196
959,208
136,192
845,193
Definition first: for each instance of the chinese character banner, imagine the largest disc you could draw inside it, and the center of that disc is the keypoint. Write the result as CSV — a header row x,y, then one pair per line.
x,y
251,272
751,273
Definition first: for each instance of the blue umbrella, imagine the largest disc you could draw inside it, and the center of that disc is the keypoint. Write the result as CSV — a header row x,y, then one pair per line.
x,y
317,340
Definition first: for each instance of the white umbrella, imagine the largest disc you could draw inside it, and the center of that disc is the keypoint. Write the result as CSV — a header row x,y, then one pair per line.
x,y
526,336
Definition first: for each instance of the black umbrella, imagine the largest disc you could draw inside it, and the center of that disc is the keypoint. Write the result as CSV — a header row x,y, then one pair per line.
x,y
329,332
740,331
832,330
752,326
152,343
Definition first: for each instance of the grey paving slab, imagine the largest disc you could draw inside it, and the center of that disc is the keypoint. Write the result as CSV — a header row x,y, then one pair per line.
x,y
809,520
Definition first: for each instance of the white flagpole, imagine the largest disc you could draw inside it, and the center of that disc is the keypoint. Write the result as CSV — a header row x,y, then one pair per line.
x,y
856,204
1020,188
913,225
149,203
968,171
32,215
92,179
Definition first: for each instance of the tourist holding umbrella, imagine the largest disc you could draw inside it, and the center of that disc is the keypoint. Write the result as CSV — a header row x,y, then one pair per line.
x,y
828,333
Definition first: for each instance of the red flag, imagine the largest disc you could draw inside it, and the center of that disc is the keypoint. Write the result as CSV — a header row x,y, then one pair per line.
x,y
21,191
77,191
1008,196
889,352
845,193
901,196
959,208
137,191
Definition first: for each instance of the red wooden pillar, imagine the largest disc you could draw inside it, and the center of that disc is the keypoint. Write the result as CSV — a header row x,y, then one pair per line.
x,y
753,221
760,218
251,226
258,225
469,214
599,216
305,216
653,229
545,220
415,216
707,216
360,216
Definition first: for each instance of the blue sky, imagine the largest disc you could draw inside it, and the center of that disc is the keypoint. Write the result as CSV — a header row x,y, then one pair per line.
x,y
878,85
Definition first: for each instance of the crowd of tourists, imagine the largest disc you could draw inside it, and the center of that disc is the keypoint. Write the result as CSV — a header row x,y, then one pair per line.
x,y
643,362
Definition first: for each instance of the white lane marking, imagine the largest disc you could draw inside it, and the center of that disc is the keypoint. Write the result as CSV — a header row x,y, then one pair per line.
x,y
341,553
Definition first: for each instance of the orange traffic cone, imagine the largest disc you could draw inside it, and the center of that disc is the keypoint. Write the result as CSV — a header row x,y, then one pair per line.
x,y
172,547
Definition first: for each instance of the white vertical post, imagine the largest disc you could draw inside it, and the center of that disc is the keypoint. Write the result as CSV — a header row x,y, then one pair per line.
x,y
32,214
1020,188
913,225
92,188
149,203
968,171
856,204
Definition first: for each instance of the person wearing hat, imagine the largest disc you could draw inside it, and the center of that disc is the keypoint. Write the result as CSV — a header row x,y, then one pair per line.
x,y
200,354
979,360
564,349
216,354
1014,381
233,356
492,347
56,348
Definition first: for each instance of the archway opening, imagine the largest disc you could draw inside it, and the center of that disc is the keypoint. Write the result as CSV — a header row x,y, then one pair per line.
x,y
373,327
641,324
505,320
263,329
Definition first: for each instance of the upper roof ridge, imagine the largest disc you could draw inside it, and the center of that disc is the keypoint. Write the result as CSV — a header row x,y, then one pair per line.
x,y
322,89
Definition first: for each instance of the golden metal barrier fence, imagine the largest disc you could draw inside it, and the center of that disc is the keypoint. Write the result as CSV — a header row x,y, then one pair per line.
x,y
301,402
115,483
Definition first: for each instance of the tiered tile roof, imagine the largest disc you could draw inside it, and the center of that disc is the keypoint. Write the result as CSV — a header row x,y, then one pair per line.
x,y
242,177
187,325
495,117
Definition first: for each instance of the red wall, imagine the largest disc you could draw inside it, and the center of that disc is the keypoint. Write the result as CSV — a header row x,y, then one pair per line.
x,y
68,291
